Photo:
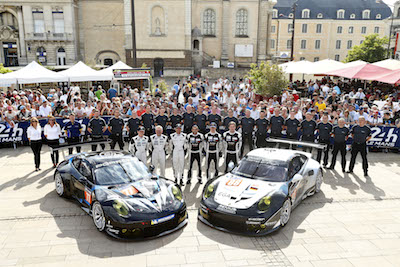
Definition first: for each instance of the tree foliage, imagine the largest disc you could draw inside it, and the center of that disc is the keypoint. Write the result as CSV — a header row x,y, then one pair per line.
x,y
373,49
268,79
4,69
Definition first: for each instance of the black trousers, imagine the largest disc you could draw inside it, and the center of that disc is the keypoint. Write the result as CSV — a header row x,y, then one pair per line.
x,y
274,135
319,155
148,131
290,136
308,138
247,139
187,129
36,147
336,148
98,138
194,157
117,138
212,157
230,157
55,155
362,149
72,141
261,140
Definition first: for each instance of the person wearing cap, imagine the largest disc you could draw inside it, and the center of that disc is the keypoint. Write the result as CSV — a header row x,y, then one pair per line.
x,y
324,129
262,128
139,145
308,127
232,140
73,132
148,121
65,112
195,144
340,136
178,146
361,134
213,147
247,124
115,127
158,143
23,114
96,127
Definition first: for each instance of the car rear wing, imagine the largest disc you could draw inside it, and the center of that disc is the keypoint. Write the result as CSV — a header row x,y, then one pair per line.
x,y
62,147
292,143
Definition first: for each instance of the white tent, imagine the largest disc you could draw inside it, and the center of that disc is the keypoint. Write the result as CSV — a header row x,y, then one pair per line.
x,y
324,66
32,73
80,72
354,64
117,66
296,66
391,64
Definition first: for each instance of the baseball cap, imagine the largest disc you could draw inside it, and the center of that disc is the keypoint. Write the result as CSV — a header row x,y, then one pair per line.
x,y
141,128
213,124
178,126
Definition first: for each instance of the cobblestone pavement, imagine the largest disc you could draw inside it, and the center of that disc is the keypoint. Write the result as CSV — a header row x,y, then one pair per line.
x,y
354,221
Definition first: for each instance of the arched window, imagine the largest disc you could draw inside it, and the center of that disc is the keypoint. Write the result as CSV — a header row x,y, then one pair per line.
x,y
41,55
196,45
305,14
340,14
7,19
275,13
241,22
209,19
366,13
61,61
320,16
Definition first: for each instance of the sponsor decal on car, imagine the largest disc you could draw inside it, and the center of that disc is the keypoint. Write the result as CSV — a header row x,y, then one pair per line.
x,y
163,219
224,194
88,196
129,191
226,209
234,182
254,187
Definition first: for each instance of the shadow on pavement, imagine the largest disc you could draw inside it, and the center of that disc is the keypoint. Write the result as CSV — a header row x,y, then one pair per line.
x,y
27,179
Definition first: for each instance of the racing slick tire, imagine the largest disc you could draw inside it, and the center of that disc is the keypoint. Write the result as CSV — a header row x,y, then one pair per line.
x,y
60,186
318,182
286,211
99,219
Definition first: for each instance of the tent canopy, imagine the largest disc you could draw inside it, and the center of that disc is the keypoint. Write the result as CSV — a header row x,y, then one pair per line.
x,y
355,63
119,65
391,64
392,78
32,73
362,72
294,67
80,72
324,66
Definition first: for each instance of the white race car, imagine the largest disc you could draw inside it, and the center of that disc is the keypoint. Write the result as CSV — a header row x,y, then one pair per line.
x,y
257,196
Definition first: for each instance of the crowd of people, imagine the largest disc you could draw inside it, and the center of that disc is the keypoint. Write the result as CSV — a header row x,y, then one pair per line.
x,y
203,118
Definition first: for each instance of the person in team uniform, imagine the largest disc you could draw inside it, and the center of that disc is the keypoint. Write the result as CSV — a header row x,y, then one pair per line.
x,y
308,127
115,126
178,146
195,143
162,119
361,134
96,127
200,120
214,117
188,119
175,119
324,129
213,145
73,131
139,145
276,125
247,124
262,129
292,126
232,143
133,125
158,143
340,135
229,119
148,121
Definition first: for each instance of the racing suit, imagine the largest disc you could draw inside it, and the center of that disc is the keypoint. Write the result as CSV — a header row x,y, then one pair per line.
x,y
213,143
178,146
195,143
158,146
233,144
138,146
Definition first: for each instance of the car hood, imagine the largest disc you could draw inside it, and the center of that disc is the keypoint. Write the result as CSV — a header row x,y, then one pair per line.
x,y
242,193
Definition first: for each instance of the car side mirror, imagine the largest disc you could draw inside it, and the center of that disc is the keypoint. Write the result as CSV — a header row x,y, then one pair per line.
x,y
297,178
231,166
311,173
152,168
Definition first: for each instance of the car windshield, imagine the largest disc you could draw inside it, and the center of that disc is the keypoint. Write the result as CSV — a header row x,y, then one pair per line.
x,y
121,172
261,169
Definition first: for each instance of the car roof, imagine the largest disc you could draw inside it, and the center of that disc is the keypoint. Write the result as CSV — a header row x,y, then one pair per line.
x,y
276,154
98,158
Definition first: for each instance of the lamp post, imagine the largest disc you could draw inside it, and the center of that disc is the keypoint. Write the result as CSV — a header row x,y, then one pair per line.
x,y
294,6
134,58
390,37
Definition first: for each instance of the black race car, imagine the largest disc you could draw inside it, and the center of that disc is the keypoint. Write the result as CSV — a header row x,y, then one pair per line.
x,y
123,197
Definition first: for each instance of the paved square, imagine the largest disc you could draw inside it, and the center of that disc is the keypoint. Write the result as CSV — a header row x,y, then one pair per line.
x,y
354,221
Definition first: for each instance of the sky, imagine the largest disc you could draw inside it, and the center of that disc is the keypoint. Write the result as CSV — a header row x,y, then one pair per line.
x,y
390,2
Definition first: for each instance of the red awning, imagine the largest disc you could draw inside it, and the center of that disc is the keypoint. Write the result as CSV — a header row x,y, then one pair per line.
x,y
362,72
392,78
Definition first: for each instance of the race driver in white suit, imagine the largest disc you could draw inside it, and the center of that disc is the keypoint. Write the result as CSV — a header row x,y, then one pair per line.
x,y
159,143
139,145
178,147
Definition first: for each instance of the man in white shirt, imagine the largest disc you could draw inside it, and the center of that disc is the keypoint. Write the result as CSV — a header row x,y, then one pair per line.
x,y
45,109
229,100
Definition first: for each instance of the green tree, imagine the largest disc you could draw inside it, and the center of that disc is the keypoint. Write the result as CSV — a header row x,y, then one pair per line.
x,y
4,69
268,79
373,49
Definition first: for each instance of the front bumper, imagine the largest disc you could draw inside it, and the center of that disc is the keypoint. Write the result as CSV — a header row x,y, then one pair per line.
x,y
237,224
148,229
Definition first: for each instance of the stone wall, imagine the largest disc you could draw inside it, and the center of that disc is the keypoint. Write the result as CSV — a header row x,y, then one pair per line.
x,y
212,73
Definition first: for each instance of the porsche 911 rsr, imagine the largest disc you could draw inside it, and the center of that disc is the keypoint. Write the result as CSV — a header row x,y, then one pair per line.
x,y
123,197
257,196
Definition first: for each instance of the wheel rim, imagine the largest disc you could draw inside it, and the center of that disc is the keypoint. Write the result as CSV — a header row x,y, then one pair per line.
x,y
98,217
285,213
318,183
59,184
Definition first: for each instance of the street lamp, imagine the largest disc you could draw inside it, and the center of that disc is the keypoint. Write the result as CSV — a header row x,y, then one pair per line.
x,y
294,6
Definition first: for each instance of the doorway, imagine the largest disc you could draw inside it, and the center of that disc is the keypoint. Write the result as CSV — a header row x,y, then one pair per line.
x,y
158,67
10,54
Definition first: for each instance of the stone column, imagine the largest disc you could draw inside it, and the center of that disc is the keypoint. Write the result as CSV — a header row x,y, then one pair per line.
x,y
188,24
22,46
226,29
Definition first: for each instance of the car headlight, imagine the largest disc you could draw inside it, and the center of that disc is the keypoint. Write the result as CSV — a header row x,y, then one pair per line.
x,y
121,208
264,203
209,190
177,192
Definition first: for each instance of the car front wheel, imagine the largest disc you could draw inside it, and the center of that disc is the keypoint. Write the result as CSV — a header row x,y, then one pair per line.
x,y
98,216
318,182
286,211
59,184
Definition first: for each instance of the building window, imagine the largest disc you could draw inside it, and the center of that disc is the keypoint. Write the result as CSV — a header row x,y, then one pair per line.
x,y
319,28
41,55
305,14
291,15
61,57
364,30
304,28
366,14
349,44
351,29
275,14
320,16
272,44
303,44
273,29
302,58
289,44
289,27
317,44
339,29
209,19
338,44
38,21
58,20
337,57
378,16
340,14
352,16
241,23
316,59
376,30
8,19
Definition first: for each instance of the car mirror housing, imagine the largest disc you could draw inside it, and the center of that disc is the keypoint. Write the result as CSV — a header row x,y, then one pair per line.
x,y
311,173
152,168
231,166
296,178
